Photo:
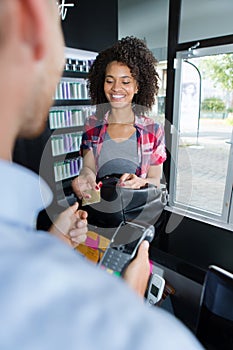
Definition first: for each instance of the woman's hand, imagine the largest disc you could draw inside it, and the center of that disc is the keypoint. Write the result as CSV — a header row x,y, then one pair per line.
x,y
84,182
81,184
71,226
84,185
131,181
138,272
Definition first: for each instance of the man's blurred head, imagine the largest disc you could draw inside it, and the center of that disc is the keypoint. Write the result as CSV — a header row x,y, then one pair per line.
x,y
31,62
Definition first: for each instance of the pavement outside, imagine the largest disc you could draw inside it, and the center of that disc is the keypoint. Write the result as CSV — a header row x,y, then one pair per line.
x,y
203,165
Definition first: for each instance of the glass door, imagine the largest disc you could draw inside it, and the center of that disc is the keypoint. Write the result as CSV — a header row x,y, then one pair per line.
x,y
202,147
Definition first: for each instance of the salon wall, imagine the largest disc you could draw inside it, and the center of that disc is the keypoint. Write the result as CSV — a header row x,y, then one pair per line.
x,y
91,25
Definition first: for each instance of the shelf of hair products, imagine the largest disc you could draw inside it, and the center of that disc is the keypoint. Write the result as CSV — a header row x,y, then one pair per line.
x,y
68,114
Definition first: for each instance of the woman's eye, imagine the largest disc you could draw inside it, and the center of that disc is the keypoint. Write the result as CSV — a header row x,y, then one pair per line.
x,y
108,81
126,82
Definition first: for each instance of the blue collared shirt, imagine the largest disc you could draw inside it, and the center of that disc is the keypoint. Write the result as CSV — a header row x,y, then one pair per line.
x,y
52,299
22,195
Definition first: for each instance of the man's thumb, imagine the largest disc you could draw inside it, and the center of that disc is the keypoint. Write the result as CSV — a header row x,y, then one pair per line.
x,y
144,248
74,207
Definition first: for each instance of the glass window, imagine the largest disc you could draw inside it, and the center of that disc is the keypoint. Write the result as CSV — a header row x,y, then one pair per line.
x,y
202,143
146,20
205,19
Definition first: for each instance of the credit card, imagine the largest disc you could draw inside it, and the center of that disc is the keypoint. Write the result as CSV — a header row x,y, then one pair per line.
x,y
95,197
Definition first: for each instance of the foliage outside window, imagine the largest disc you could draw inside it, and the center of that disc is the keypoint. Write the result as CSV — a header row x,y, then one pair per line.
x,y
213,104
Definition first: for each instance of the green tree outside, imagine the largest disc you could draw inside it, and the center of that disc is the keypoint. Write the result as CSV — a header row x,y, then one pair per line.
x,y
220,69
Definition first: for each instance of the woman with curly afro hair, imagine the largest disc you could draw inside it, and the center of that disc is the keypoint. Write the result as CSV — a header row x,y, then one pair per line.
x,y
120,139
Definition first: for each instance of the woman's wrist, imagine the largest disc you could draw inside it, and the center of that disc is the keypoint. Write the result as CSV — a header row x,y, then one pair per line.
x,y
152,181
85,171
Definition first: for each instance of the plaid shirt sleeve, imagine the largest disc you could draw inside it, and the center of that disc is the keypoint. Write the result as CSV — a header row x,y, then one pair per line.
x,y
159,150
151,145
90,137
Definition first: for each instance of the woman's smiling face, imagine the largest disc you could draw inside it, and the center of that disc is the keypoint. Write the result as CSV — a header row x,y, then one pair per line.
x,y
119,85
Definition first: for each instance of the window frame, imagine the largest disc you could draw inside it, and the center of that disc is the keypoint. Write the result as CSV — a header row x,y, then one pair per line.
x,y
174,47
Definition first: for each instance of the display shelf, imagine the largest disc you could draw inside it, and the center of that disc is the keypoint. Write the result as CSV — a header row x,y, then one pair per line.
x,y
64,171
66,143
66,129
66,121
71,89
71,102
74,74
66,156
73,116
78,54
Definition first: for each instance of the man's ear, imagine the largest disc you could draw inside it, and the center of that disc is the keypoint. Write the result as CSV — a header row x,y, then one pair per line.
x,y
33,25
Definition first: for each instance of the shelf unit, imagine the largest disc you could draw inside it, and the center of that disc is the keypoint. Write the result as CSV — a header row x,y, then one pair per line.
x,y
66,120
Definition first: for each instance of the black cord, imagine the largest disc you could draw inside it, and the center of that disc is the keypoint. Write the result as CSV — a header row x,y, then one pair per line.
x,y
122,205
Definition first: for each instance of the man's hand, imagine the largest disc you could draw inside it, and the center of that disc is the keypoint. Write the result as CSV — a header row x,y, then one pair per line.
x,y
138,272
71,226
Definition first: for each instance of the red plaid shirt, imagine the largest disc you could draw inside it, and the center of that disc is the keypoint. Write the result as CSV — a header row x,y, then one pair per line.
x,y
150,141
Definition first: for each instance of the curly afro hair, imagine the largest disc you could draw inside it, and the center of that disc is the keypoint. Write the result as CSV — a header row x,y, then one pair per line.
x,y
134,53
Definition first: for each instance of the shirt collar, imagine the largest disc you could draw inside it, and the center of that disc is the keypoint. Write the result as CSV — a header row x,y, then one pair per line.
x,y
106,116
139,121
23,194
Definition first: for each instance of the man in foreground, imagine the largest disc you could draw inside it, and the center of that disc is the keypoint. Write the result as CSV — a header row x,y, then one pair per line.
x,y
50,297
